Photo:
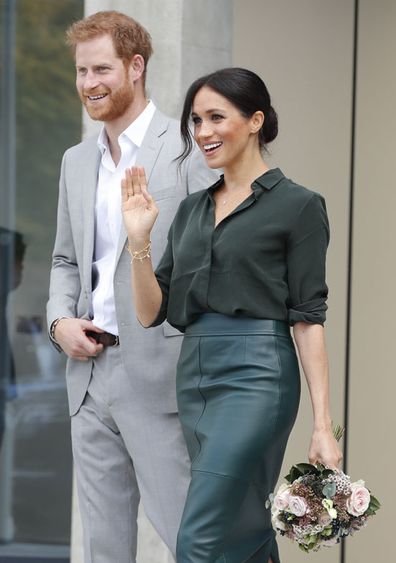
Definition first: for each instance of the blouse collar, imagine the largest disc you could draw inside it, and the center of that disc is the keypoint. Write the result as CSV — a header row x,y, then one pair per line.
x,y
266,181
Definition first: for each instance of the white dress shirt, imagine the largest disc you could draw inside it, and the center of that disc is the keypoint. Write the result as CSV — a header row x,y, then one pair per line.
x,y
108,217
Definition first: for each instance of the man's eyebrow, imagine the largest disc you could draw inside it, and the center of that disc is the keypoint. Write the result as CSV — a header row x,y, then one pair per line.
x,y
107,65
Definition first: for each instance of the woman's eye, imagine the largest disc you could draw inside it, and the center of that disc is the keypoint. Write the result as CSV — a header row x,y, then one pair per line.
x,y
217,117
196,120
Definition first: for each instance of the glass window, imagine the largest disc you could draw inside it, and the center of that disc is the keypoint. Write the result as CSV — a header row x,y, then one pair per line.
x,y
40,117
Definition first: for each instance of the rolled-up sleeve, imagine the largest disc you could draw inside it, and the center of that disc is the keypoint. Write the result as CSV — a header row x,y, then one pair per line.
x,y
306,263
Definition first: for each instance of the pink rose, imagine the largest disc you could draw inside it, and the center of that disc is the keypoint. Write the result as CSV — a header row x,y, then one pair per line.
x,y
359,500
281,500
325,519
297,505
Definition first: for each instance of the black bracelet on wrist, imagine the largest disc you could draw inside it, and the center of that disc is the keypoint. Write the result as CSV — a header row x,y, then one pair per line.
x,y
53,327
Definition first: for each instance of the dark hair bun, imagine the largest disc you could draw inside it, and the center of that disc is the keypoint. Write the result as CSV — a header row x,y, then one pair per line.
x,y
270,126
245,90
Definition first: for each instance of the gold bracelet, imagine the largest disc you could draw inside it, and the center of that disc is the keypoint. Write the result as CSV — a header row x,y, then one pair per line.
x,y
139,254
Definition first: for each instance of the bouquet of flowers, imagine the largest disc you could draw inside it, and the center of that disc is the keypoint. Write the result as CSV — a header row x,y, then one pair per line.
x,y
318,506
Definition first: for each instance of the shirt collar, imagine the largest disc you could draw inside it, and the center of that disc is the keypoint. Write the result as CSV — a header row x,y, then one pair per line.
x,y
135,132
266,181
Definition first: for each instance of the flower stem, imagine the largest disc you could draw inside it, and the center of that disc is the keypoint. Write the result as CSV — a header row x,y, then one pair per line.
x,y
338,431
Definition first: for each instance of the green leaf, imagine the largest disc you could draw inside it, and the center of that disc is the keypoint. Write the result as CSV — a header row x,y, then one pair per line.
x,y
374,501
373,506
293,474
313,540
299,470
329,490
306,468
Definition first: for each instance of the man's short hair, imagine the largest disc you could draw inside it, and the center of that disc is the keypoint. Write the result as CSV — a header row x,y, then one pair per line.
x,y
129,37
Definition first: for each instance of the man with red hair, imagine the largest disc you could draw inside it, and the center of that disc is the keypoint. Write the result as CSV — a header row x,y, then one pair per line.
x,y
126,436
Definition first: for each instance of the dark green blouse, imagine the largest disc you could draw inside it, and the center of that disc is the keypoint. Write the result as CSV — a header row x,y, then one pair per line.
x,y
265,260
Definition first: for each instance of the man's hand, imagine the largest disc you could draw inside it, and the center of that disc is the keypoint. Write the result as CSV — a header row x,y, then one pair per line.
x,y
71,336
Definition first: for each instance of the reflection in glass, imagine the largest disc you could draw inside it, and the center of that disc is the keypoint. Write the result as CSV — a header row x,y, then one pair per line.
x,y
40,117
12,251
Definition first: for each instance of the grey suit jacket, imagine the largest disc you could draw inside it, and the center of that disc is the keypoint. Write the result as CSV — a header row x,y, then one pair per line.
x,y
149,355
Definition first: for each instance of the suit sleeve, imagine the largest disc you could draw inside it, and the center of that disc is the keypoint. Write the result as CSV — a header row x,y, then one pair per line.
x,y
65,286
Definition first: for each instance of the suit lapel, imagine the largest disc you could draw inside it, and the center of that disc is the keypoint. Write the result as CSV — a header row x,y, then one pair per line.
x,y
88,183
147,157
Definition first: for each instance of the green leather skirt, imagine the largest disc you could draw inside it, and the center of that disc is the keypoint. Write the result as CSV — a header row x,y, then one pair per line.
x,y
238,388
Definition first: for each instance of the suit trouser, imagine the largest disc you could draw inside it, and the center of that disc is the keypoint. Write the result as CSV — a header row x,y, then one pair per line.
x,y
122,452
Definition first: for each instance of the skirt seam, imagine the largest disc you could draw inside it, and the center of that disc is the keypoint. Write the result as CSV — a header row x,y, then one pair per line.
x,y
203,408
279,385
230,477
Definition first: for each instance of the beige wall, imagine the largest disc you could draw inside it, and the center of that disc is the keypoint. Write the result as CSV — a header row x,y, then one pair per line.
x,y
373,387
304,52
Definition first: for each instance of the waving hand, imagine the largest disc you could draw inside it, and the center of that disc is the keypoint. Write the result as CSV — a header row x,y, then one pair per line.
x,y
138,207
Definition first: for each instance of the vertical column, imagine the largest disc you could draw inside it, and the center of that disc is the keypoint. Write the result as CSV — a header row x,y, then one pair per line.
x,y
7,129
190,39
372,415
7,220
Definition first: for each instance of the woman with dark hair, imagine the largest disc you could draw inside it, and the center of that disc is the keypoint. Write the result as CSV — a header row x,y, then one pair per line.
x,y
245,260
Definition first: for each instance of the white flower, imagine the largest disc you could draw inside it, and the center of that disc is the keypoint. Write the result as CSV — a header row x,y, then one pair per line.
x,y
328,504
276,522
